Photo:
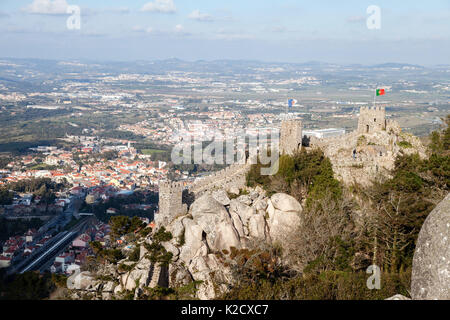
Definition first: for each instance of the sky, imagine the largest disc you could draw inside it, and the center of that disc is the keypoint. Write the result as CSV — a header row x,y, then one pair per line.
x,y
414,31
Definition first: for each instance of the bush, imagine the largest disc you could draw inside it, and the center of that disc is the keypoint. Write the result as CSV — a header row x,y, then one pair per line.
x,y
405,144
135,254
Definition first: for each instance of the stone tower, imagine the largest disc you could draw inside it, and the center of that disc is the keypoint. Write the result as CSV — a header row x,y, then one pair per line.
x,y
170,200
291,137
371,119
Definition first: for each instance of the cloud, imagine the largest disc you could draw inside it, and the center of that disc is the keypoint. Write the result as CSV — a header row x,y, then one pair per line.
x,y
4,14
119,10
143,29
47,7
179,28
224,34
356,19
200,16
278,29
162,6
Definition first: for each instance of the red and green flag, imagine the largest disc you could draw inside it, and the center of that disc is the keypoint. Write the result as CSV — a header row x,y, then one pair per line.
x,y
381,92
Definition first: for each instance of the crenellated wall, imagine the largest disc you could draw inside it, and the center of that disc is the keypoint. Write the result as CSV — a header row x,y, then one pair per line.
x,y
232,176
371,119
356,157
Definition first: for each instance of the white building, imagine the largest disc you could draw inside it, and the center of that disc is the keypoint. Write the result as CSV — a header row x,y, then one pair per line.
x,y
324,133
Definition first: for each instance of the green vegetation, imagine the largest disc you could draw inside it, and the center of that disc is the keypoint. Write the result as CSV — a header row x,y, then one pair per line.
x,y
4,162
110,255
152,151
6,197
10,228
44,188
304,175
119,203
27,286
122,225
156,251
134,255
405,144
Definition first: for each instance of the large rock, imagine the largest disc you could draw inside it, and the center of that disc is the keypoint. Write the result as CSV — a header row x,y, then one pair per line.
x,y
207,212
270,208
245,199
237,222
285,202
109,287
226,237
257,226
172,249
234,190
213,274
260,204
176,227
221,196
430,277
282,224
80,281
284,216
178,276
135,278
242,210
193,237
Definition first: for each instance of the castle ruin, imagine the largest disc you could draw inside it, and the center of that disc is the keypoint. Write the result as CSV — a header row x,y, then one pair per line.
x,y
357,157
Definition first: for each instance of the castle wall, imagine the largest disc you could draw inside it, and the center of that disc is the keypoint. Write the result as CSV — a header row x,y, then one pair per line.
x,y
356,157
232,176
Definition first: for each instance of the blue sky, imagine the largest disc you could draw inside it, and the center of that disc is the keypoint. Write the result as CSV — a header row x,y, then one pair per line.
x,y
269,30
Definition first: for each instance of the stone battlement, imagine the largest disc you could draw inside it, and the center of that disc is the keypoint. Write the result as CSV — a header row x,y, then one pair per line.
x,y
232,176
372,109
371,119
167,185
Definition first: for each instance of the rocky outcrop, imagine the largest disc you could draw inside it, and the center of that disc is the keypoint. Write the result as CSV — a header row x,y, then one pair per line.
x,y
284,216
430,277
202,240
81,281
222,197
216,224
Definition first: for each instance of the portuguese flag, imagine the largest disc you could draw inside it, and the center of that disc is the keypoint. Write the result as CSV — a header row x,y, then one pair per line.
x,y
381,92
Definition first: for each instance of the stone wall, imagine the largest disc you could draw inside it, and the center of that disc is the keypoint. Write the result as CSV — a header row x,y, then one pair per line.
x,y
232,176
291,136
170,199
371,119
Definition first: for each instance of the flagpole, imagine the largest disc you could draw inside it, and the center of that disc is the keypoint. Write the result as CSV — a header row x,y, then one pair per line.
x,y
375,97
